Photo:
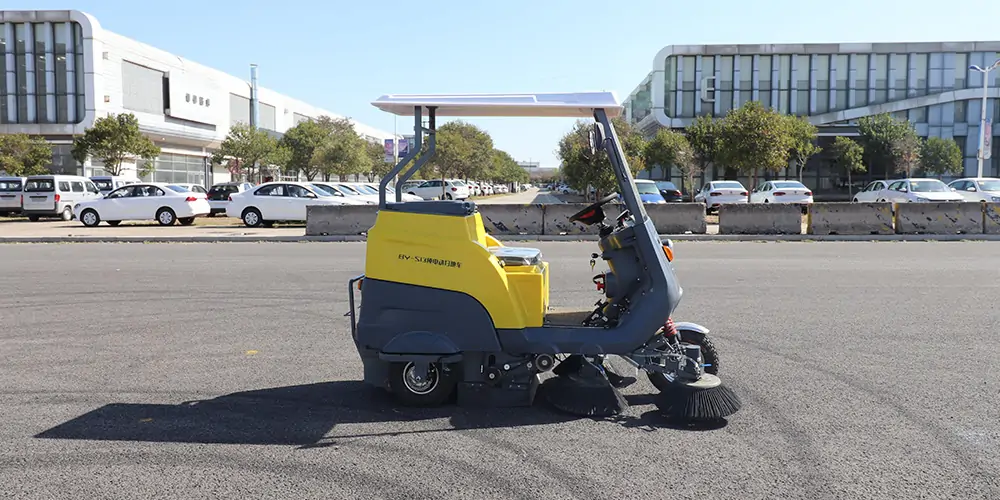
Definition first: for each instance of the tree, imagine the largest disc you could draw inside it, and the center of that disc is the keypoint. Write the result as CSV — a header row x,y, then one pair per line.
x,y
803,137
940,156
377,166
343,152
115,139
753,138
668,149
703,136
246,149
906,152
504,169
583,169
848,155
463,150
881,136
301,142
21,155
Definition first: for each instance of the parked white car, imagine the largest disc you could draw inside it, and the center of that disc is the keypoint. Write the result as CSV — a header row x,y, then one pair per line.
x,y
10,195
977,189
390,192
194,188
338,194
448,189
144,201
276,201
872,193
788,192
108,183
218,195
919,190
716,193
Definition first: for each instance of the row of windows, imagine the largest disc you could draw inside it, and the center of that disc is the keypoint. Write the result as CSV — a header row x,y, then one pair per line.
x,y
45,83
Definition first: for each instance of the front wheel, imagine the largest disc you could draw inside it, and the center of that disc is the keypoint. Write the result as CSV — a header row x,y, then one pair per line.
x,y
708,351
166,217
432,390
90,218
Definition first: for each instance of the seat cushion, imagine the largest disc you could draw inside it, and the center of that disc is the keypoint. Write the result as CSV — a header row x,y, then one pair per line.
x,y
435,207
517,256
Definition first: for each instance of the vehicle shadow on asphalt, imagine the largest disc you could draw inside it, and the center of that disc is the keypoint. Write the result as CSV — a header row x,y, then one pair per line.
x,y
303,416
300,415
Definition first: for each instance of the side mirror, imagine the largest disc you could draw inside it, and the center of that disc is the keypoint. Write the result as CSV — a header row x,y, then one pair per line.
x,y
954,190
971,189
904,190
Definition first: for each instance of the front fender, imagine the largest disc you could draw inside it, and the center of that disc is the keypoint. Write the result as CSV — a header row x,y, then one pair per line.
x,y
420,343
691,327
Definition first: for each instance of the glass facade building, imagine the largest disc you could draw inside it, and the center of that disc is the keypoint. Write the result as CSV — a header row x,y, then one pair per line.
x,y
929,84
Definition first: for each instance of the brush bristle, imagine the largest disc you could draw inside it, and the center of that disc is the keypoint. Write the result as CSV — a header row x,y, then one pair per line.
x,y
686,402
586,396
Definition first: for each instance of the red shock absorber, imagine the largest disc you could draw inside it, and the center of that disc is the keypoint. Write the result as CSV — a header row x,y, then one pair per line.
x,y
669,330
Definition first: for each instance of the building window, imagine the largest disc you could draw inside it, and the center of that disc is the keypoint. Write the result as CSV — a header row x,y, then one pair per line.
x,y
961,109
822,71
670,95
687,85
784,84
961,141
961,70
708,71
899,71
920,73
919,115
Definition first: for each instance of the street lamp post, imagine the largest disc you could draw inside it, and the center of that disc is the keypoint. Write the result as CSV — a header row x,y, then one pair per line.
x,y
982,121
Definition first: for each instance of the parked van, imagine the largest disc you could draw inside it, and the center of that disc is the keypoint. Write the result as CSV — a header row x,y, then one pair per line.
x,y
10,195
55,195
108,183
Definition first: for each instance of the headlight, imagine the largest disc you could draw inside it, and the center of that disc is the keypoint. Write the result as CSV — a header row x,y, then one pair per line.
x,y
995,198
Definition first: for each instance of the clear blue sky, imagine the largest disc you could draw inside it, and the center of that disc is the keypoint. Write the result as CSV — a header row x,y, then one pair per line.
x,y
341,55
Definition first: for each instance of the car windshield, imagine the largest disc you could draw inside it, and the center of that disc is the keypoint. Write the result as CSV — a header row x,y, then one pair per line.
x,y
10,185
327,189
667,186
40,186
365,189
727,185
319,191
647,188
458,183
347,189
990,185
928,186
178,188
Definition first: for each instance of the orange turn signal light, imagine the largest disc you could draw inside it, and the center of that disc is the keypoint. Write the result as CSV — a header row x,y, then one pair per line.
x,y
669,252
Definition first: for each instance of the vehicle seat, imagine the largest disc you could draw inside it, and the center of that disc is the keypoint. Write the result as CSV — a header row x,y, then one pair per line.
x,y
517,256
454,208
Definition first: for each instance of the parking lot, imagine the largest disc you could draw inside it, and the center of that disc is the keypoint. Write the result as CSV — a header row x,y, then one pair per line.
x,y
867,370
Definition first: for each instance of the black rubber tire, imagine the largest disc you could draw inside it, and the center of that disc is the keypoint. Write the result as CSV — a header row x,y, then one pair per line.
x,y
85,213
33,218
435,397
186,221
708,351
114,222
67,213
256,221
165,211
856,201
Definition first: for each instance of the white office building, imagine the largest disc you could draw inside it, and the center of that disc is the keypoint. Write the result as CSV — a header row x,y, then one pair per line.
x,y
60,70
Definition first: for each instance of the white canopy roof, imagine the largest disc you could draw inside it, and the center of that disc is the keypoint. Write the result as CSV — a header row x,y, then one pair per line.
x,y
577,105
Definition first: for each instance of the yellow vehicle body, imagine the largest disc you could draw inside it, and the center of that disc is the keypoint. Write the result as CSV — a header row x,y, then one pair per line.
x,y
453,253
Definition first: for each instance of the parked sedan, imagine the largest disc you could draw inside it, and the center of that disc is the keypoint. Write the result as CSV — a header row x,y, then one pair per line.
x,y
716,193
669,191
161,202
276,201
872,192
919,190
648,192
390,192
345,199
977,189
218,195
788,192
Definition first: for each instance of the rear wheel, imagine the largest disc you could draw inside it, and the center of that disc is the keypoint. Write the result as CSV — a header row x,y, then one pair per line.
x,y
251,217
114,222
165,216
67,213
432,390
708,352
33,218
90,218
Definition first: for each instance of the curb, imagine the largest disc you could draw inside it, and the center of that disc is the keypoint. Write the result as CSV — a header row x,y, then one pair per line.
x,y
507,237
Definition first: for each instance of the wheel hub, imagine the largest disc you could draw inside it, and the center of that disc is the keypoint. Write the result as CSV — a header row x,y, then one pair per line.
x,y
418,384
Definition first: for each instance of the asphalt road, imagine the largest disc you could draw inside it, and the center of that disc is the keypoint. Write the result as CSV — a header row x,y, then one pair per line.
x,y
530,197
226,370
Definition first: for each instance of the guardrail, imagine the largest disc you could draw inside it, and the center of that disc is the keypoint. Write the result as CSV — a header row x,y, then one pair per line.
x,y
689,218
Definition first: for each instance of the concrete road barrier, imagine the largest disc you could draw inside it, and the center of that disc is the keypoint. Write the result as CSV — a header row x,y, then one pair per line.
x,y
512,219
678,218
760,218
991,218
850,218
939,218
338,220
555,219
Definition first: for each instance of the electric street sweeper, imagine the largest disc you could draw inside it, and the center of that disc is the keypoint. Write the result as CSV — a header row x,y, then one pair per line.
x,y
446,310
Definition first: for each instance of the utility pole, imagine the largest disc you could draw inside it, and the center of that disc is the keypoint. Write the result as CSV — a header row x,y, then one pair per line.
x,y
254,108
